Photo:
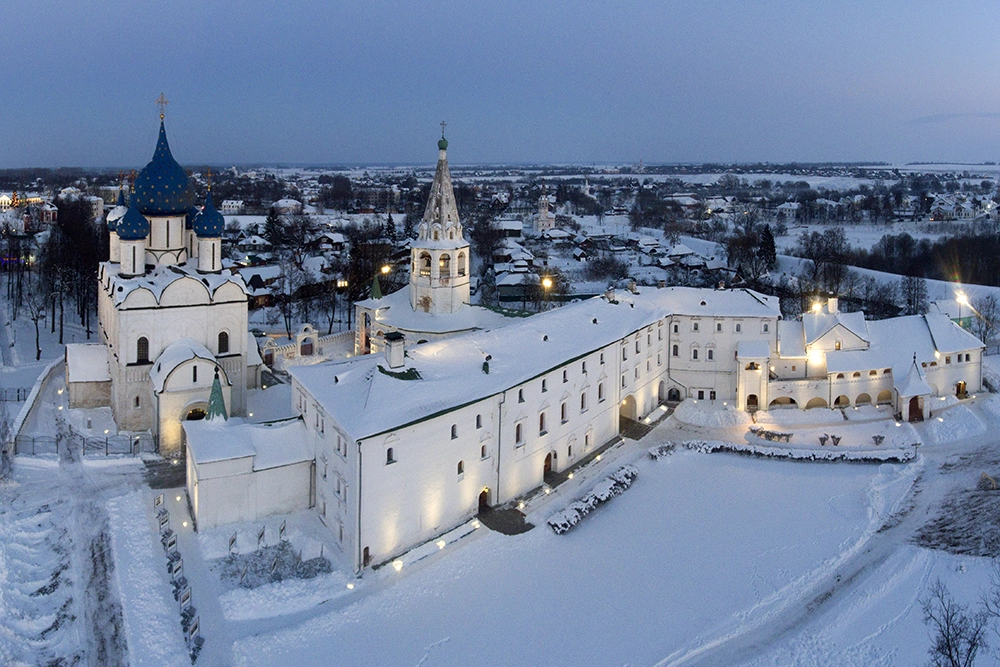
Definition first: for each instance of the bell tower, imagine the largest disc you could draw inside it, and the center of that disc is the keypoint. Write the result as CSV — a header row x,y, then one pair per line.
x,y
439,270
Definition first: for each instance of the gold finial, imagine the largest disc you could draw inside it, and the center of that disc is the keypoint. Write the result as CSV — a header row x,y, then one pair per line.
x,y
442,129
162,103
209,179
131,181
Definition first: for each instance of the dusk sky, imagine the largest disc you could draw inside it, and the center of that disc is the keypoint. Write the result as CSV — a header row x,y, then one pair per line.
x,y
517,82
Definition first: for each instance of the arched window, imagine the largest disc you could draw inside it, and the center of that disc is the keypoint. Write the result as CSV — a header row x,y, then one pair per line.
x,y
583,402
454,431
461,263
425,264
563,413
138,402
482,452
142,350
600,392
461,467
194,374
518,434
694,354
840,376
223,342
479,421
857,374
541,424
520,396
444,266
674,351
388,456
711,355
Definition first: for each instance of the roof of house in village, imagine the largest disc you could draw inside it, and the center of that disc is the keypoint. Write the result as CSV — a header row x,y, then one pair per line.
x,y
366,398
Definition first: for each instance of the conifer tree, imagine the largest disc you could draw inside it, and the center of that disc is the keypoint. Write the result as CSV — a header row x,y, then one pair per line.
x,y
766,250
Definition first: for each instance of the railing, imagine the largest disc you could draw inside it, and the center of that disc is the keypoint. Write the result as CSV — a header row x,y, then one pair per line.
x,y
290,350
15,394
131,445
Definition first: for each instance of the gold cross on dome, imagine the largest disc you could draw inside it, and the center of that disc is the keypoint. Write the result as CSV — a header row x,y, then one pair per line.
x,y
162,103
209,178
442,129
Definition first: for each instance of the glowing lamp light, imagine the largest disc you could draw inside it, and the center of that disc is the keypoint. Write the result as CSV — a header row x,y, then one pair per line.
x,y
441,544
547,490
397,565
178,498
520,505
475,524
60,407
897,424
546,282
350,587
940,419
60,392
105,431
962,298
174,462
250,414
570,476
817,307
597,458
386,269
185,524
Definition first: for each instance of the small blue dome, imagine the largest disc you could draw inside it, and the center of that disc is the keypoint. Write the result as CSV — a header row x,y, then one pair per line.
x,y
133,225
192,214
209,222
121,198
163,187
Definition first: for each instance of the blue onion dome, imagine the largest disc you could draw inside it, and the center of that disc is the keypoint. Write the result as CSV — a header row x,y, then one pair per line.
x,y
189,219
210,223
117,212
163,187
133,225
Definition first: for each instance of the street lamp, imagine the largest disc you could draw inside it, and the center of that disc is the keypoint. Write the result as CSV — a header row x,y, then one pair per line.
x,y
962,300
546,285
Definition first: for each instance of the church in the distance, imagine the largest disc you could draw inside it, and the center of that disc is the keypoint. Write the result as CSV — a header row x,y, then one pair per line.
x,y
171,319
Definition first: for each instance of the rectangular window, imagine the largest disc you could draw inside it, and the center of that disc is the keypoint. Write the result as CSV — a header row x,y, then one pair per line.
x,y
565,377
583,367
711,395
623,380
624,353
600,392
637,347
659,359
602,358
701,394
947,360
676,328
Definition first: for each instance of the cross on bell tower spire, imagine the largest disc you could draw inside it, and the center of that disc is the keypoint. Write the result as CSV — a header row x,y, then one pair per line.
x,y
442,129
162,103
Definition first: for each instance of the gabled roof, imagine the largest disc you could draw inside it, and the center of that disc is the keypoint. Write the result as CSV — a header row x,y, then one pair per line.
x,y
913,384
173,356
816,325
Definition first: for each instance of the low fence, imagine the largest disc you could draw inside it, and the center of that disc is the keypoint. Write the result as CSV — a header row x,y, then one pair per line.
x,y
130,445
14,394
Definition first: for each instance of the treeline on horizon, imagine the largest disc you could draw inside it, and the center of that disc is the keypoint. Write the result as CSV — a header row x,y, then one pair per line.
x,y
965,258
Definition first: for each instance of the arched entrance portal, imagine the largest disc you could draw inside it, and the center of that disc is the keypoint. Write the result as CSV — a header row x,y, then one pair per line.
x,y
752,403
547,467
961,390
628,410
484,500
195,414
916,410
674,394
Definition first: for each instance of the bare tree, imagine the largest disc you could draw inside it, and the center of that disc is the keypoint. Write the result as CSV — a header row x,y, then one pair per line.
x,y
34,302
957,635
987,320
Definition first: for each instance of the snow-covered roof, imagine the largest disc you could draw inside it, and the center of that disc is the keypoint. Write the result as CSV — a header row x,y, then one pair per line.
x,y
395,311
87,363
157,280
791,340
913,383
817,324
948,336
270,445
173,356
896,340
366,401
253,351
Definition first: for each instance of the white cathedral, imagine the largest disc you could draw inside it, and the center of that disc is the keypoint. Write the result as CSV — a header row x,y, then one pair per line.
x,y
170,318
460,408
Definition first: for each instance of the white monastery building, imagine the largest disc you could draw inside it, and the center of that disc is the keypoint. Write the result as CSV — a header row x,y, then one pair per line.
x,y
461,408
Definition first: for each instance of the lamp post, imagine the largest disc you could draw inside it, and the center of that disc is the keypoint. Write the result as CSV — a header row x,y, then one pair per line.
x,y
546,286
962,300
342,285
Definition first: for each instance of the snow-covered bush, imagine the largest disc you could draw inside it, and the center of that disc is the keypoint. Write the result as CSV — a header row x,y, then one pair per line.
x,y
613,485
658,452
794,454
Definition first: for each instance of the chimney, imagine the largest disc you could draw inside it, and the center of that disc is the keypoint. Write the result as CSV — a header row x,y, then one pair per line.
x,y
831,305
609,294
632,287
394,349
